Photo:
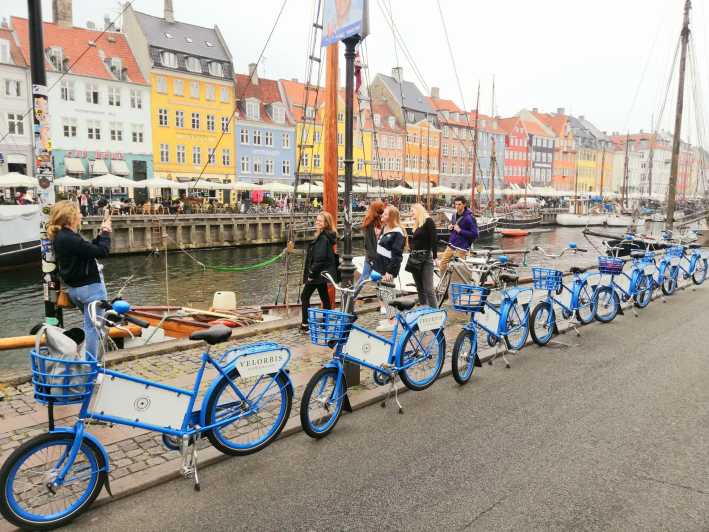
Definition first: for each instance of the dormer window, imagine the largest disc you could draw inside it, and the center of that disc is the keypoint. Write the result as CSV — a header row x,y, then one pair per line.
x,y
168,59
216,69
377,120
392,122
4,51
168,36
208,44
193,64
252,109
309,112
279,113
115,65
188,39
56,57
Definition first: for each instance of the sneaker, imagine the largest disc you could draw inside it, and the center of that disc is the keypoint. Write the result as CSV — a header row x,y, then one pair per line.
x,y
304,328
385,326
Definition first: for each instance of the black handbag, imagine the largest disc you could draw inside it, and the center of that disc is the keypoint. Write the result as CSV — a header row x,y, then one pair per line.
x,y
414,264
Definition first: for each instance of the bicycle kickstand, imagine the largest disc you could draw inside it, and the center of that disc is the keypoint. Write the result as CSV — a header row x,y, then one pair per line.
x,y
189,460
393,390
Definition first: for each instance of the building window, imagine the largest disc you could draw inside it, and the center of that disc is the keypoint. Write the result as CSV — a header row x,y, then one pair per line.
x,y
69,125
168,59
195,120
226,157
67,91
269,166
179,119
410,116
224,94
4,51
15,124
244,165
116,132
93,130
340,162
244,135
225,124
211,156
285,140
92,94
114,96
210,92
13,88
161,85
377,120
340,116
340,139
360,165
216,69
164,153
392,122
137,133
279,114
194,89
136,99
252,109
285,167
309,113
257,137
316,160
193,64
257,166
317,137
210,122
304,160
178,87
268,139
162,117
56,57
196,155
180,154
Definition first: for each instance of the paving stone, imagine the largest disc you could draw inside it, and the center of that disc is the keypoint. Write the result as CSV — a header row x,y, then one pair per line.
x,y
155,460
138,466
122,462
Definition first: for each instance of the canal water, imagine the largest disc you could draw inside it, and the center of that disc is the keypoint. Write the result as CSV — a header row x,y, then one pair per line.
x,y
141,280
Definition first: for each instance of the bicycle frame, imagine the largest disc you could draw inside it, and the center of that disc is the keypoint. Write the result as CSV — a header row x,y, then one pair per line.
x,y
502,310
574,290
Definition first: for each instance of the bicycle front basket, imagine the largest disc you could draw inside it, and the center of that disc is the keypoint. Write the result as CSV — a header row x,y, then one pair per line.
x,y
468,298
675,251
610,265
62,381
546,278
327,326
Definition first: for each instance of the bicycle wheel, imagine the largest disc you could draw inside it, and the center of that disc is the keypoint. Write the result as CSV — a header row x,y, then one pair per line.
x,y
321,404
428,348
465,356
643,295
26,500
607,304
257,421
668,280
543,323
586,304
517,326
700,271
442,287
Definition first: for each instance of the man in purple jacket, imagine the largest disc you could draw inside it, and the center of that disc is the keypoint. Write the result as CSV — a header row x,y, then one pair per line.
x,y
464,230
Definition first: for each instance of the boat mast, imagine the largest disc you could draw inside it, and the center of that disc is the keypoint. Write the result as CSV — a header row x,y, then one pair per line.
x,y
475,151
651,156
603,167
493,156
624,188
671,191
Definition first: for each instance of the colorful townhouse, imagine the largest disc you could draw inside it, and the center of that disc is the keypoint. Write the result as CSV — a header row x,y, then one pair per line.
x,y
540,140
264,130
457,135
516,151
603,158
388,150
587,156
99,99
635,163
563,171
15,99
192,100
654,153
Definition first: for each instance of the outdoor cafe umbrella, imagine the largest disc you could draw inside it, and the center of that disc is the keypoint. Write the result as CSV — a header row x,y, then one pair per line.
x,y
158,182
277,187
68,181
111,181
15,179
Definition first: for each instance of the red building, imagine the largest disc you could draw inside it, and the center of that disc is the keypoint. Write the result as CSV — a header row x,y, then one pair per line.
x,y
516,162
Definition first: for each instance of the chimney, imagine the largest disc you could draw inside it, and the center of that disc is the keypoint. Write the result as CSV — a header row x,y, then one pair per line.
x,y
535,109
90,25
398,74
560,111
435,92
581,117
107,24
253,74
169,12
61,12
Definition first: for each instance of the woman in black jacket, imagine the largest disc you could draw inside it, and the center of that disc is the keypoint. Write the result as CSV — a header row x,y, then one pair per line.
x,y
390,246
76,259
372,228
423,253
319,258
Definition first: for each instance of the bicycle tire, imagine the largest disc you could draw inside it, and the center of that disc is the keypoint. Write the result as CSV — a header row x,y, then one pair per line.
x,y
10,507
607,304
550,323
584,295
523,326
668,283
441,290
643,294
306,420
406,375
699,268
219,437
467,353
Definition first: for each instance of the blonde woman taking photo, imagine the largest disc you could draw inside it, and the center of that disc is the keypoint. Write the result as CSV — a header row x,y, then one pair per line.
x,y
423,253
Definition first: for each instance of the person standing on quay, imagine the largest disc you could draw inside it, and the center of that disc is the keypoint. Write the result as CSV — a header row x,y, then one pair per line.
x,y
76,258
423,253
464,231
371,228
320,258
390,252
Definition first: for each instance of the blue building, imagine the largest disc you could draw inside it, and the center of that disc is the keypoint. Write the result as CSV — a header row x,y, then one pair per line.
x,y
265,134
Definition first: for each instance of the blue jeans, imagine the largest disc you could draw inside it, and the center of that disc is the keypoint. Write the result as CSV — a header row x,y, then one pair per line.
x,y
366,269
81,297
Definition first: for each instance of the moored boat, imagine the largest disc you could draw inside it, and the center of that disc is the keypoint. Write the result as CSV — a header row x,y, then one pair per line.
x,y
19,235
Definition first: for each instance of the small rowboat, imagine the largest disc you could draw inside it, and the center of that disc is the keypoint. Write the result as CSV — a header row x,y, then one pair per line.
x,y
514,233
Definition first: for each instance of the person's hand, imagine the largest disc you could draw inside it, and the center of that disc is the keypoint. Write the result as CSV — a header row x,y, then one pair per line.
x,y
450,227
456,227
387,278
106,227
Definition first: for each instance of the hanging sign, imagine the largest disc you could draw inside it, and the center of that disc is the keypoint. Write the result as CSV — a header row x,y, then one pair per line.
x,y
343,19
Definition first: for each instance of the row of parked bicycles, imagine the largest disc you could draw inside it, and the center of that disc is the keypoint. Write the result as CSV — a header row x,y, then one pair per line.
x,y
52,478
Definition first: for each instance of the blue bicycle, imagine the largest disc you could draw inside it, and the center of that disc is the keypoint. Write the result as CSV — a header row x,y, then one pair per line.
x,y
414,353
637,284
580,297
52,478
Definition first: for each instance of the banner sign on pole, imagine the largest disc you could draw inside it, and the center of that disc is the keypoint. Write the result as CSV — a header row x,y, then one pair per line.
x,y
343,19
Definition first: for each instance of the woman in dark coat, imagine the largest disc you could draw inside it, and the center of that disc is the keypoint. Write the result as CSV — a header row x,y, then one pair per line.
x,y
372,228
423,249
390,252
319,258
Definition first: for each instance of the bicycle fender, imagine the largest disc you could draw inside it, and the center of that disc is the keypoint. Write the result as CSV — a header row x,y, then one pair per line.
x,y
346,406
94,439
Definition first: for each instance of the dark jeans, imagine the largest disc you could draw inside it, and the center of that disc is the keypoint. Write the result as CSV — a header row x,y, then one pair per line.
x,y
424,283
308,290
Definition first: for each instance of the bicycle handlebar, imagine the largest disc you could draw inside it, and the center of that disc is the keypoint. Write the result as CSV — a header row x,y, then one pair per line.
x,y
553,256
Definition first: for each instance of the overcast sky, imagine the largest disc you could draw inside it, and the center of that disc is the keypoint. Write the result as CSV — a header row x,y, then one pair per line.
x,y
591,58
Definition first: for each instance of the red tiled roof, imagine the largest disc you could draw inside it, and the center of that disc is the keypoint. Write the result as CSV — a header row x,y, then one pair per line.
x,y
533,128
295,96
444,105
15,52
266,91
556,122
75,41
384,112
508,124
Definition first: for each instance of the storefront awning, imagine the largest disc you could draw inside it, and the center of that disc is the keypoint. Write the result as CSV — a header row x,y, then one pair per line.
x,y
119,167
73,165
99,167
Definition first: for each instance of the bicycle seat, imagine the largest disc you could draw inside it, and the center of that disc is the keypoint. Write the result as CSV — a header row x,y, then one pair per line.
x,y
576,269
401,305
509,278
214,335
694,246
637,254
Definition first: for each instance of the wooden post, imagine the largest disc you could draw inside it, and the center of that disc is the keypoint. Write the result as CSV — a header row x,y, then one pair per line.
x,y
330,147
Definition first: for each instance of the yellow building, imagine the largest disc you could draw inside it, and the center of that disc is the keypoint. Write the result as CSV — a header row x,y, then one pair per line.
x,y
192,97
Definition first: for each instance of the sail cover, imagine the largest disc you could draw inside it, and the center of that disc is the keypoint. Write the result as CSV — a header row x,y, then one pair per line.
x,y
19,224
